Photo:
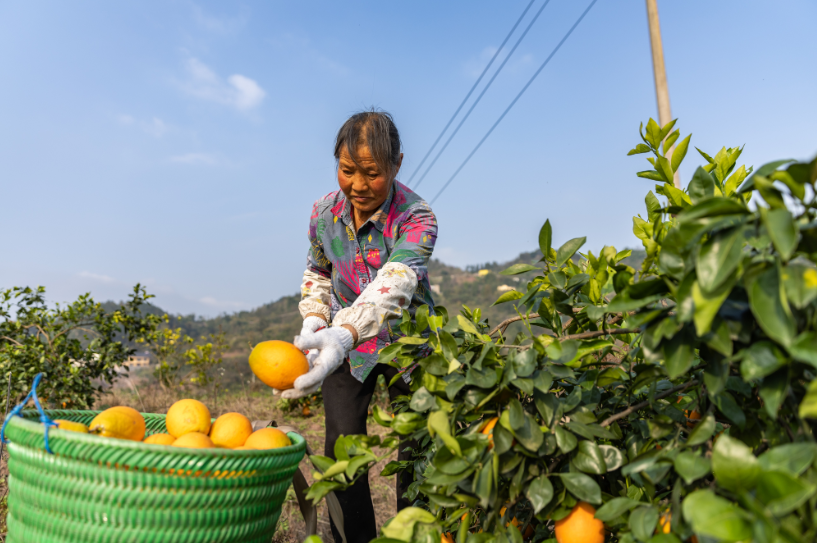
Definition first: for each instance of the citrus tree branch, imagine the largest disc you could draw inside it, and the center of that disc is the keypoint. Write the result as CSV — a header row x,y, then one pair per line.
x,y
611,419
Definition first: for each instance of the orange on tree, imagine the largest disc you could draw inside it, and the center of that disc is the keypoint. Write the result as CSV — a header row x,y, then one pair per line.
x,y
187,416
488,430
580,526
446,538
194,440
71,426
278,363
119,422
664,523
230,430
267,438
160,439
690,415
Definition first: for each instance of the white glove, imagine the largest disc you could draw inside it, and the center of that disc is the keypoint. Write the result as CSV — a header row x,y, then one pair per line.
x,y
313,324
334,344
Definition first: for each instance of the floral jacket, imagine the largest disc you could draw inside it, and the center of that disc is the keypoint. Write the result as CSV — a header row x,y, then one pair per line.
x,y
367,278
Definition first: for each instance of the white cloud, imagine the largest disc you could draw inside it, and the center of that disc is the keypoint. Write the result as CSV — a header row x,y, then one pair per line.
x,y
97,277
212,302
194,158
237,91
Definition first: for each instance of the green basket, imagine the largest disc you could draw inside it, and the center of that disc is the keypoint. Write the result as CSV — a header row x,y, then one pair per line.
x,y
95,489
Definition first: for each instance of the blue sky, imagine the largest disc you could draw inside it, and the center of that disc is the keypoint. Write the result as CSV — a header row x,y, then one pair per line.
x,y
181,144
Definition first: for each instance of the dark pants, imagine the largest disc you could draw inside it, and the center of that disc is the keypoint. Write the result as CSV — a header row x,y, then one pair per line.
x,y
346,404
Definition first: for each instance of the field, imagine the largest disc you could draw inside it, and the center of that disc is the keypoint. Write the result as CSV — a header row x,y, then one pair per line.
x,y
256,402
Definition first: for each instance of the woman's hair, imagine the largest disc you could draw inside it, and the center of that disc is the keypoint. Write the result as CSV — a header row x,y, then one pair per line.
x,y
376,130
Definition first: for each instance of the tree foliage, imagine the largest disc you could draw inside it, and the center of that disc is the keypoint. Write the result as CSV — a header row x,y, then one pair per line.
x,y
678,399
79,346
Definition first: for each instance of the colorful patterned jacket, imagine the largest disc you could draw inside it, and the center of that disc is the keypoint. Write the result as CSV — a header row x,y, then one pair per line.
x,y
367,278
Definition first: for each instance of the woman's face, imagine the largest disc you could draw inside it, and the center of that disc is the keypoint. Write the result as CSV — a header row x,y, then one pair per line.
x,y
365,185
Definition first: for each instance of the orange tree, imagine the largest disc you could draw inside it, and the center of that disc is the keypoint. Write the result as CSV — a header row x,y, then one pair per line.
x,y
677,400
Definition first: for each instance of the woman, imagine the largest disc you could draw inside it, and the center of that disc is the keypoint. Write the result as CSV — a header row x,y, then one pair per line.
x,y
371,241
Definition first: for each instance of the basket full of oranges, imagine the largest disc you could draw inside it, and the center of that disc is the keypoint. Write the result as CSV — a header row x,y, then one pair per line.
x,y
123,476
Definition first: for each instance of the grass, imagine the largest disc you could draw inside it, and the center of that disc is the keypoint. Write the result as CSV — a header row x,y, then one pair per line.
x,y
255,401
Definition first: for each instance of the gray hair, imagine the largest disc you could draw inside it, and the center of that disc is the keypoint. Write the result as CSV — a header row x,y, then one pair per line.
x,y
376,130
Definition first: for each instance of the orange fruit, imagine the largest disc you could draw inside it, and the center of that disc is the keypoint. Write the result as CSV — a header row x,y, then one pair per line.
x,y
267,438
446,538
230,430
119,422
194,440
488,430
664,523
278,363
71,426
242,448
160,439
187,416
580,526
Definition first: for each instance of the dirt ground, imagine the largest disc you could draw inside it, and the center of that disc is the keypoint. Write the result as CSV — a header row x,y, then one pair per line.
x,y
257,403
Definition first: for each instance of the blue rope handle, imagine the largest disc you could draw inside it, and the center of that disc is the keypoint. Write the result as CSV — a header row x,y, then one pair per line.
x,y
18,409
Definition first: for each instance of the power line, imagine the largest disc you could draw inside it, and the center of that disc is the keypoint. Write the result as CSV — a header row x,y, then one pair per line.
x,y
493,77
467,96
485,137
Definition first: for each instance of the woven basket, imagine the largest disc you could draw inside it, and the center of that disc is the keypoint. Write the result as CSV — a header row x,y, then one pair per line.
x,y
112,490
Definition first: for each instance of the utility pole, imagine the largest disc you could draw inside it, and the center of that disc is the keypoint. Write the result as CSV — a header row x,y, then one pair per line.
x,y
660,73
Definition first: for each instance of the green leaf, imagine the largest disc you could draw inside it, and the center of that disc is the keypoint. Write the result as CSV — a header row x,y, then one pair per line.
x,y
791,458
726,404
540,492
713,207
410,340
643,522
438,424
800,282
773,390
763,171
701,187
678,355
545,238
670,140
582,487
564,439
665,538
667,128
702,432
466,325
589,458
783,493
808,407
402,525
761,359
707,304
615,508
679,153
782,230
719,257
508,296
653,135
652,174
640,148
691,467
566,251
613,457
734,465
516,269
770,308
716,517
422,400
663,166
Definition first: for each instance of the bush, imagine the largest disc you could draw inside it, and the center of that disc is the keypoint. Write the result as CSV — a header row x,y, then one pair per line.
x,y
677,399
